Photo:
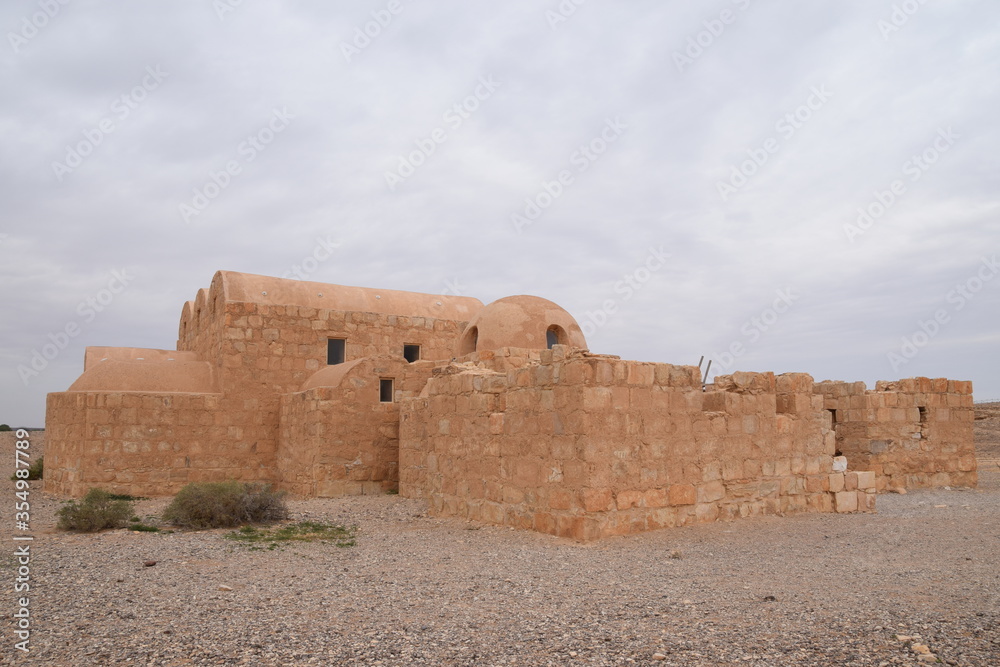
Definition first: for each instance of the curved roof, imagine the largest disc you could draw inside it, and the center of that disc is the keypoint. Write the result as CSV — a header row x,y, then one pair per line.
x,y
519,321
250,288
97,353
333,376
157,376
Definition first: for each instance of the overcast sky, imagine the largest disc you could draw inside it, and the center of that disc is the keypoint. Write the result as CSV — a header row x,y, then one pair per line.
x,y
779,186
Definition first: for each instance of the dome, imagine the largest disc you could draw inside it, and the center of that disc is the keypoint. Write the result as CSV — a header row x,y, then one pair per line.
x,y
520,321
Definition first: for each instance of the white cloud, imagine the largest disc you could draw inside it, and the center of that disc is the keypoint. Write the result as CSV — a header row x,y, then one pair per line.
x,y
324,175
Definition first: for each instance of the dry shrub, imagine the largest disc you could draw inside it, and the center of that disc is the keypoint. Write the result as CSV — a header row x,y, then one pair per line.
x,y
98,510
225,504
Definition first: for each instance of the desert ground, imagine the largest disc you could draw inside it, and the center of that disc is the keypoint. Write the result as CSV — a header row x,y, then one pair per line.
x,y
800,590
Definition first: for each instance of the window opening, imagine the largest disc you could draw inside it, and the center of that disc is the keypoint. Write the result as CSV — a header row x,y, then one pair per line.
x,y
335,351
385,390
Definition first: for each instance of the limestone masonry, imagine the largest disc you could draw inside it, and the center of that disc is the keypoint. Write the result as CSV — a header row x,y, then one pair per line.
x,y
495,413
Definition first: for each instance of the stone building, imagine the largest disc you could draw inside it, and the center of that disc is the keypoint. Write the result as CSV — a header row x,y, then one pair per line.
x,y
496,413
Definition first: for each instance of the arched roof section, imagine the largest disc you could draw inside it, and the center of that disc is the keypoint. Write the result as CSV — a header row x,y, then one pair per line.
x,y
158,374
375,365
249,288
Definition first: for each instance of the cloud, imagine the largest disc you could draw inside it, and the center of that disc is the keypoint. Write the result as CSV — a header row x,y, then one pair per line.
x,y
658,184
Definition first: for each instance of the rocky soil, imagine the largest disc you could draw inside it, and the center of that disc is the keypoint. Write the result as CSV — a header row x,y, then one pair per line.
x,y
923,574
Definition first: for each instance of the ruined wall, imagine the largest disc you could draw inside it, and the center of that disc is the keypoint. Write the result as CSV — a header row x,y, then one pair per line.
x,y
590,446
143,443
912,433
342,440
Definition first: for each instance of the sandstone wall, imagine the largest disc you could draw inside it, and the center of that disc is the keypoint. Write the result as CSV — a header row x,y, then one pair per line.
x,y
342,440
590,446
144,443
913,433
267,350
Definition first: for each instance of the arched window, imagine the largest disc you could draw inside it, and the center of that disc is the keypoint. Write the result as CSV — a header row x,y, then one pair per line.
x,y
469,341
555,335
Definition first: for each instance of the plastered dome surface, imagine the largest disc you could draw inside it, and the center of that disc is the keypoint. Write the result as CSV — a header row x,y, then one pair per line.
x,y
520,321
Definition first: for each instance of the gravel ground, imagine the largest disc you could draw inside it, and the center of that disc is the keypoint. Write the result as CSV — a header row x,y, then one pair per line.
x,y
799,590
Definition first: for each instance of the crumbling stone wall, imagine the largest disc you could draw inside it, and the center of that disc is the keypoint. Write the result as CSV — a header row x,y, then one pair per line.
x,y
586,446
912,433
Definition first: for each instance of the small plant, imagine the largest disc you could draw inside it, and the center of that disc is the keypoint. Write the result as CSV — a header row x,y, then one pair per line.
x,y
5,427
97,511
143,528
125,496
303,531
35,470
225,504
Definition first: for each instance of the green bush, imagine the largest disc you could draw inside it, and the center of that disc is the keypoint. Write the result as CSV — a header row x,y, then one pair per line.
x,y
225,504
97,511
5,427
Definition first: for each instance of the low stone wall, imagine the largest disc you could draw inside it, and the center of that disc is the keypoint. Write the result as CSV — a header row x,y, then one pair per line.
x,y
912,433
147,444
589,446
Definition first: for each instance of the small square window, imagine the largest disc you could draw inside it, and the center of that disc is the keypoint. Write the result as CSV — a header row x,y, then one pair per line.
x,y
335,348
385,390
411,353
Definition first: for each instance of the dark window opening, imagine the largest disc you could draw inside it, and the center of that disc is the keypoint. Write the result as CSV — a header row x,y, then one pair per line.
x,y
554,335
923,414
385,390
335,351
470,341
411,353
833,416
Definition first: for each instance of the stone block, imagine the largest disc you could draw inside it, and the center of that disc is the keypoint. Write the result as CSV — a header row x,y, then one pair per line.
x,y
865,480
682,494
711,492
706,512
851,481
628,498
846,501
597,500
866,501
836,482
